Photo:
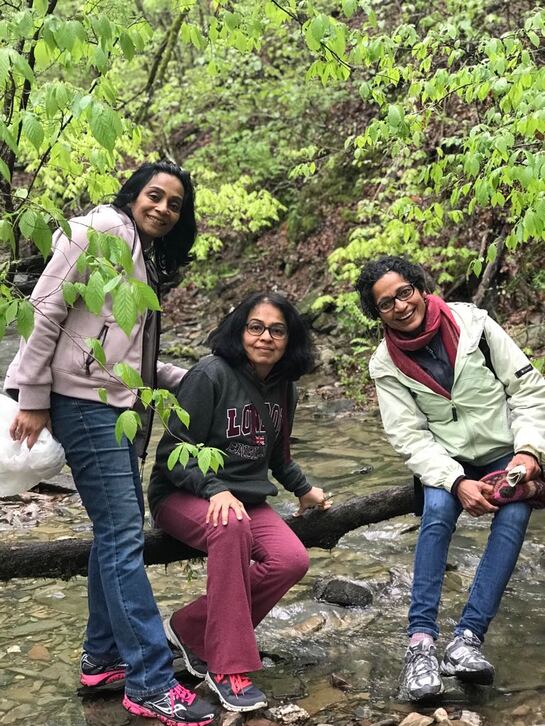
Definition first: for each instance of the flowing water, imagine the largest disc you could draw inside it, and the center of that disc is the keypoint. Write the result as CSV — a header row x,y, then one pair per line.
x,y
310,648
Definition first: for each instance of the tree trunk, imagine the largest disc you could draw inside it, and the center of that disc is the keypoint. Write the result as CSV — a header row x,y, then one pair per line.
x,y
68,557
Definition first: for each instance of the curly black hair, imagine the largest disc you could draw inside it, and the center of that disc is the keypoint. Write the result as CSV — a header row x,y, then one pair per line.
x,y
373,270
226,339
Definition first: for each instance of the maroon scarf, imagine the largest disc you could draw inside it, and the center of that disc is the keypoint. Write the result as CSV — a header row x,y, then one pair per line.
x,y
438,318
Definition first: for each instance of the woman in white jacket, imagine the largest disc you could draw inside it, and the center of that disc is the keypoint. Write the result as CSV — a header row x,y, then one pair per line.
x,y
56,379
458,400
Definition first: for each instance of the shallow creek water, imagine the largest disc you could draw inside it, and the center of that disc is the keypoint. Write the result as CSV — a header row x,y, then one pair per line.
x,y
304,641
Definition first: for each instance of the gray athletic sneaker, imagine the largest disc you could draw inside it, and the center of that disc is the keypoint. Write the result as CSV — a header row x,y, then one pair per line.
x,y
463,659
193,664
420,678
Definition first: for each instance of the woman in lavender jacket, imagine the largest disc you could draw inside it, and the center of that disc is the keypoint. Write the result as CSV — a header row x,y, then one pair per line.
x,y
56,380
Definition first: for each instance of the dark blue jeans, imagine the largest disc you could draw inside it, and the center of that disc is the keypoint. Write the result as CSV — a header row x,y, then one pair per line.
x,y
123,617
507,531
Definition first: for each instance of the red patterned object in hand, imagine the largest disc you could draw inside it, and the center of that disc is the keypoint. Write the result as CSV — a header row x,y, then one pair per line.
x,y
532,492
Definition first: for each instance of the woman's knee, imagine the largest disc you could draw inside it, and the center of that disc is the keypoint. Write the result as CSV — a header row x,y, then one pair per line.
x,y
236,533
515,516
440,506
293,564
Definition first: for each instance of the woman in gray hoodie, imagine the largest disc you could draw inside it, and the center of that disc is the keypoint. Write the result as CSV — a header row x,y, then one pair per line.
x,y
56,378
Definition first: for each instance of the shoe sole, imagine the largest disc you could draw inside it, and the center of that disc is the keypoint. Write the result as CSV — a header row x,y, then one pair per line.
x,y
477,678
174,641
137,710
429,696
230,706
111,681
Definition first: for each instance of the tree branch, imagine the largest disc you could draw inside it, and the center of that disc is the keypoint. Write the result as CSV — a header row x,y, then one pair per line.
x,y
68,557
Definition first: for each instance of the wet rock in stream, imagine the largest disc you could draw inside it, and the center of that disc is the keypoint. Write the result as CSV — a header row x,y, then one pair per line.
x,y
343,591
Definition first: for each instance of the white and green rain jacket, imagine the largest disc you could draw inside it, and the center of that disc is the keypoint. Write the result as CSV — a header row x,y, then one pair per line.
x,y
489,415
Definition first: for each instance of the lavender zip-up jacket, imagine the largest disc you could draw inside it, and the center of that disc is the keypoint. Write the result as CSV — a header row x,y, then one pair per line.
x,y
56,357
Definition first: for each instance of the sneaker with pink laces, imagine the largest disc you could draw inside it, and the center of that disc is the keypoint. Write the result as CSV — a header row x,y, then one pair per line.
x,y
173,708
236,691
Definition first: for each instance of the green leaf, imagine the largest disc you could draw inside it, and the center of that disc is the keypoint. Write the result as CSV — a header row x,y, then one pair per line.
x,y
145,297
130,377
349,7
103,394
185,453
492,252
105,125
318,27
127,424
119,252
70,293
94,293
11,311
203,460
33,130
174,457
127,46
146,396
41,234
6,232
96,349
112,284
5,64
27,223
7,135
533,38
395,115
25,318
216,460
40,6
20,63
4,170
182,415
34,226
124,307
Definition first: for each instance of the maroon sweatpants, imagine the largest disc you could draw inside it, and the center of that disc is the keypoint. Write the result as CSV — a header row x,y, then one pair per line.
x,y
219,626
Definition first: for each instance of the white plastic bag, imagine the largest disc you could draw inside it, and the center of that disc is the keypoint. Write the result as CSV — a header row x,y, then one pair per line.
x,y
22,468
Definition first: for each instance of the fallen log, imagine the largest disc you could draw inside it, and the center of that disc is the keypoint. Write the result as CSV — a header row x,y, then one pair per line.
x,y
66,558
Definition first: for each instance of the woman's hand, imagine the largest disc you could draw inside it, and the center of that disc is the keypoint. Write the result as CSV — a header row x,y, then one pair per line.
x,y
220,504
314,498
530,463
471,493
28,425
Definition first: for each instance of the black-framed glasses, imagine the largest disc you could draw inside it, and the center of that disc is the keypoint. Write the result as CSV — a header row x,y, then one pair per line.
x,y
278,331
388,303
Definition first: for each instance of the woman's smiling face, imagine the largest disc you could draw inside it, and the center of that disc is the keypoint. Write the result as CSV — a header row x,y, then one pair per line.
x,y
158,206
406,316
264,351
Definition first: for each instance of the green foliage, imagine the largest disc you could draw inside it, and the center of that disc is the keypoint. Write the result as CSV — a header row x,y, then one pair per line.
x,y
207,457
424,121
127,424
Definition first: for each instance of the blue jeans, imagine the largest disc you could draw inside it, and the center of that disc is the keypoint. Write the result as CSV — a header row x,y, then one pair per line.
x,y
507,531
123,617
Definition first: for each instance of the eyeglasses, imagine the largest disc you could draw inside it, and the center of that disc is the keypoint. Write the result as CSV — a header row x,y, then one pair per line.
x,y
278,331
388,303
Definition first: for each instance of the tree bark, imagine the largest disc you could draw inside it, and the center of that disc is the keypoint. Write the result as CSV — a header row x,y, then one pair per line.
x,y
66,558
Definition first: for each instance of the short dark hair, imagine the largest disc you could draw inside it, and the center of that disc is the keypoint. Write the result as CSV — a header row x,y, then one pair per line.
x,y
226,339
373,270
173,249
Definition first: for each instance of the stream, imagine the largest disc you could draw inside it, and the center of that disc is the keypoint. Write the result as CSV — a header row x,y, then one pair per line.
x,y
340,664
